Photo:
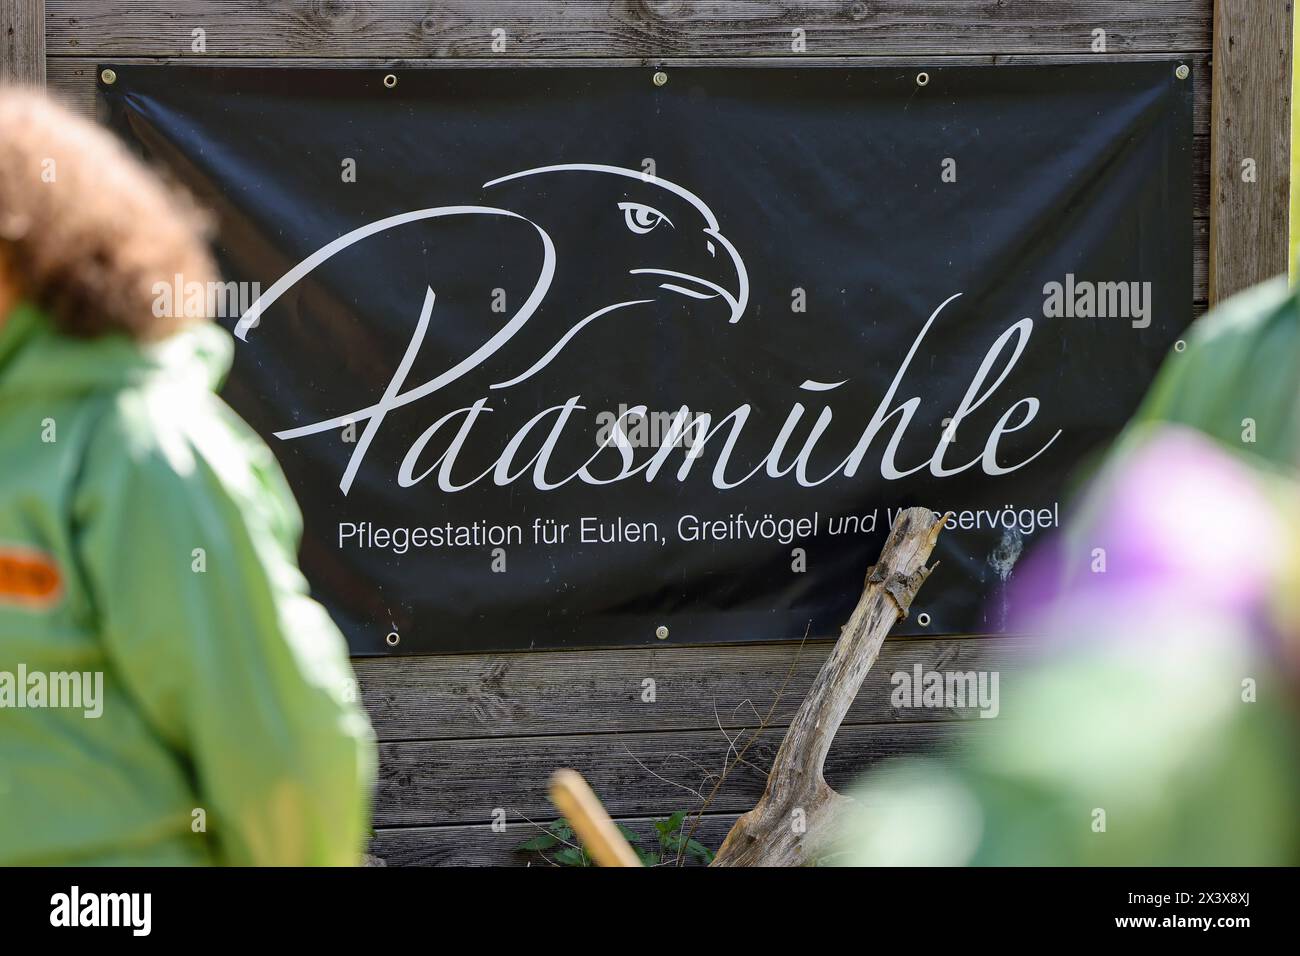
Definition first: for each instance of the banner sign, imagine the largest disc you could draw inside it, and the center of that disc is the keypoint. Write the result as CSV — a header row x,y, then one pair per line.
x,y
561,356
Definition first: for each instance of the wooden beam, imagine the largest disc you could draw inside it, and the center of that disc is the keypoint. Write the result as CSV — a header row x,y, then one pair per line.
x,y
22,42
642,28
484,844
440,782
695,688
1249,143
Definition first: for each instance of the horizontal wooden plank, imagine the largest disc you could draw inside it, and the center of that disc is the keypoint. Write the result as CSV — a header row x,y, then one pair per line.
x,y
641,28
434,783
481,845
567,692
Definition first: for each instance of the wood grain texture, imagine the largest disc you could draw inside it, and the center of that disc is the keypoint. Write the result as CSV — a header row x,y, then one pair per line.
x,y
439,782
22,42
1251,124
480,845
641,28
695,688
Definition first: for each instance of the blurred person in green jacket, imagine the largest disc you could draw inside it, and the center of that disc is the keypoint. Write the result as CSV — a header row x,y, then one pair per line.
x,y
169,693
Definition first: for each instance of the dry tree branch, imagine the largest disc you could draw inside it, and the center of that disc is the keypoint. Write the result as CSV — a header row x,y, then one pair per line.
x,y
796,788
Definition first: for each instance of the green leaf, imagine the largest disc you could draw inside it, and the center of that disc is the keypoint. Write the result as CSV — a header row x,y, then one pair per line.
x,y
571,856
699,851
647,859
563,832
669,828
677,843
543,841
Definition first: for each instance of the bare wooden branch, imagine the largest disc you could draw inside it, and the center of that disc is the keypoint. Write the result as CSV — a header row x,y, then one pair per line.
x,y
798,808
575,801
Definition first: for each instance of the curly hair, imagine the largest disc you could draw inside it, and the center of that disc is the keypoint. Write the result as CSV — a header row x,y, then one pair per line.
x,y
86,228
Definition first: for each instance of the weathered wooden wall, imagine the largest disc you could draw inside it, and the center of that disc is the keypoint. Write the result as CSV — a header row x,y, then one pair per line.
x,y
463,736
1251,144
22,41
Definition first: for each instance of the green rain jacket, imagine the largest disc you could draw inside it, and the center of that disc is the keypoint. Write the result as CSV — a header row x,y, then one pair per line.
x,y
147,536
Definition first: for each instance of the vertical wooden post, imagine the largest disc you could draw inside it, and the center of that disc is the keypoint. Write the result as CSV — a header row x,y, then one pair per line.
x,y
22,42
1249,143
1295,131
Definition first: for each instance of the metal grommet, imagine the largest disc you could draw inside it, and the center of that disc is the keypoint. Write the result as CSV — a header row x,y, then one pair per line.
x,y
660,78
1180,345
390,80
1182,72
392,639
661,632
923,619
109,77
922,79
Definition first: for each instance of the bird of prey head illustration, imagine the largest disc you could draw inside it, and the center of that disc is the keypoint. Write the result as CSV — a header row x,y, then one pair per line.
x,y
672,221
690,221
642,218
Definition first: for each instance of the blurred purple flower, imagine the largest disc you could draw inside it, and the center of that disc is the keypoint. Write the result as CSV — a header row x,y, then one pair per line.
x,y
1174,524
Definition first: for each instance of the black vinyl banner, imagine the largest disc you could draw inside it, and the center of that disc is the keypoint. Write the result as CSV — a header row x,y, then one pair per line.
x,y
563,356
